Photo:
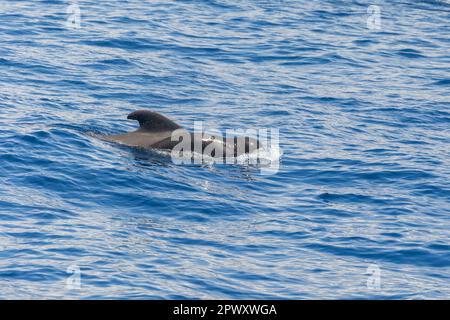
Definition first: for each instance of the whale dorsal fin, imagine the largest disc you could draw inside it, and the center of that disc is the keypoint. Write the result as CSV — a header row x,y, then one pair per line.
x,y
152,121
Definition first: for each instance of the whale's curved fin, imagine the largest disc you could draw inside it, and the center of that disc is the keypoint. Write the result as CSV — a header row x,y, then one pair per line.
x,y
153,121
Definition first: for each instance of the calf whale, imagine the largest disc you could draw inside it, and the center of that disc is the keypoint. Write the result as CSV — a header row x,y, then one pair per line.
x,y
158,132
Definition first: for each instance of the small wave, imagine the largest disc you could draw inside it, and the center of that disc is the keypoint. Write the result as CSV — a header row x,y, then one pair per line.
x,y
410,53
443,82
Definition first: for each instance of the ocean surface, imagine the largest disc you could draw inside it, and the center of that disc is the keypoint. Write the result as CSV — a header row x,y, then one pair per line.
x,y
358,208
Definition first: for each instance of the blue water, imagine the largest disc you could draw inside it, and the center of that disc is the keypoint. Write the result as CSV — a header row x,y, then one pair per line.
x,y
364,120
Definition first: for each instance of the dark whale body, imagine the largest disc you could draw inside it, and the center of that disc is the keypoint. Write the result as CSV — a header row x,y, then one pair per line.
x,y
155,132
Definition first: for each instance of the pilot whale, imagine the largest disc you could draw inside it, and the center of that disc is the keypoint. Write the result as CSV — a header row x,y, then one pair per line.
x,y
158,132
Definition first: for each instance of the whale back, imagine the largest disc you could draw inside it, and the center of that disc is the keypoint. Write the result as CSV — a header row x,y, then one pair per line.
x,y
152,121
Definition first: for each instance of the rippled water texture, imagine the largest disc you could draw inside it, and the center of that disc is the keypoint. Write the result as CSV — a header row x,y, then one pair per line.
x,y
363,114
